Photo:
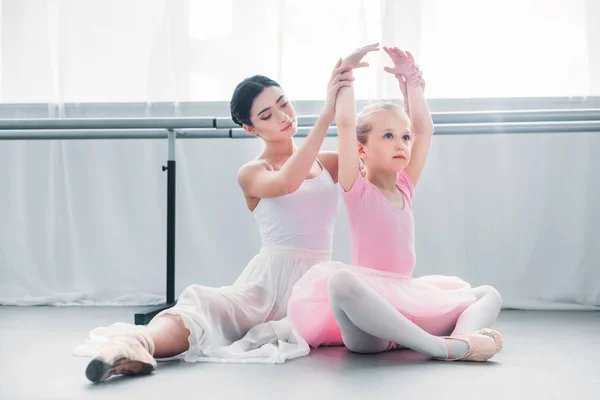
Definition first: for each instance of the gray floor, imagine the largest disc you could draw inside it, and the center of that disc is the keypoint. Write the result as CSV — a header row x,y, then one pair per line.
x,y
547,355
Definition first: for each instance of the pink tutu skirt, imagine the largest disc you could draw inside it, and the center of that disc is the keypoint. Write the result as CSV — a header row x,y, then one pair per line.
x,y
433,302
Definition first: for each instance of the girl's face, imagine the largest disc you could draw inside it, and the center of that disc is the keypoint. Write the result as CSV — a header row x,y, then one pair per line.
x,y
389,142
273,117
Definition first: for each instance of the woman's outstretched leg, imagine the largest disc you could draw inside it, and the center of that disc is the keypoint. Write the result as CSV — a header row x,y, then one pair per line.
x,y
214,316
134,353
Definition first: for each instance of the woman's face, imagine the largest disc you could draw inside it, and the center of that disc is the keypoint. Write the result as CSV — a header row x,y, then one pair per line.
x,y
273,117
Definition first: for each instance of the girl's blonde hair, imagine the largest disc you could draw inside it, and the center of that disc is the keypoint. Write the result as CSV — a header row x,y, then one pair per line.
x,y
364,126
363,121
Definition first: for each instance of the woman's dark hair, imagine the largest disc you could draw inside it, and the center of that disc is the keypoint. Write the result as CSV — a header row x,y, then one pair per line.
x,y
243,97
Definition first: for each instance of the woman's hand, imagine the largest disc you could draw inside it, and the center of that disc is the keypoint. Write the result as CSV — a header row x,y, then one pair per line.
x,y
354,60
340,77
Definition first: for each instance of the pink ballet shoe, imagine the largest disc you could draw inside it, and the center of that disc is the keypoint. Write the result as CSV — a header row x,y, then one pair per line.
x,y
481,347
495,334
129,354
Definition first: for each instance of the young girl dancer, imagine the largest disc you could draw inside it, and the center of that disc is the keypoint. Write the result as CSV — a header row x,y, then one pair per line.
x,y
292,193
375,304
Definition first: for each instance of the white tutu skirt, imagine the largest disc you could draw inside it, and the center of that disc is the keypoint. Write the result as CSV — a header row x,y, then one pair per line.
x,y
219,317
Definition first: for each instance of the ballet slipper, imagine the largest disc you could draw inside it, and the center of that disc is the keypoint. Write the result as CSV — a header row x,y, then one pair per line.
x,y
130,354
496,335
481,347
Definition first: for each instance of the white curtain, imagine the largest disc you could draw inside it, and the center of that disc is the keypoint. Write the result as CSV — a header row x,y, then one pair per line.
x,y
84,222
58,51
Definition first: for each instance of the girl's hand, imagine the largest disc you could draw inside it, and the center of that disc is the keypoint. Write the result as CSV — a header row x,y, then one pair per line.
x,y
405,69
340,77
354,59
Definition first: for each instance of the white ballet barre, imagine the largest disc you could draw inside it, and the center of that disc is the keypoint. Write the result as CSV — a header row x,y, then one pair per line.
x,y
99,134
446,123
107,123
303,131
